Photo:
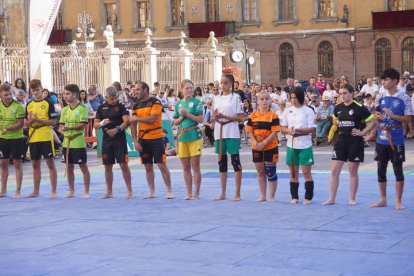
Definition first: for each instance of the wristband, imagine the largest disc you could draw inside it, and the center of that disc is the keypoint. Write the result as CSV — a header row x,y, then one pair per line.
x,y
102,123
119,128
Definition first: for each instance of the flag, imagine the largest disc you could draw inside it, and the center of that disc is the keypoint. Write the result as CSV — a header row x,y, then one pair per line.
x,y
42,16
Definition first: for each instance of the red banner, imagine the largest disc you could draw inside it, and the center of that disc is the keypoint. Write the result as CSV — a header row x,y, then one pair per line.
x,y
57,37
393,19
202,30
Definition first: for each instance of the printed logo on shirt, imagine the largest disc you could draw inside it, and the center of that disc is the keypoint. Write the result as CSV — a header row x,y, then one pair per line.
x,y
191,104
351,112
43,106
116,108
12,111
346,123
77,113
395,103
50,154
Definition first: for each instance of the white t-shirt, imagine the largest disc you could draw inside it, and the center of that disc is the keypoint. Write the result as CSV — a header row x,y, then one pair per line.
x,y
373,90
171,102
330,94
282,97
402,88
301,117
229,105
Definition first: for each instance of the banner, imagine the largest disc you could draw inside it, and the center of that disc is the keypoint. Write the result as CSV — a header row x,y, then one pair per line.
x,y
42,16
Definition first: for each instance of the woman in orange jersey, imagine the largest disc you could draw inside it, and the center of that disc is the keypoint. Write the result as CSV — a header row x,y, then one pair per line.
x,y
263,126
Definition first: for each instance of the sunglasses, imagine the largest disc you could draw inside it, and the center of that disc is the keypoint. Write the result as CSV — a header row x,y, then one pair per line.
x,y
19,82
162,93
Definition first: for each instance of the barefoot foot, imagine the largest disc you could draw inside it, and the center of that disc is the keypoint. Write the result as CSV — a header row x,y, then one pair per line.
x,y
222,197
261,199
271,199
352,202
381,203
236,198
194,197
85,195
34,194
16,195
70,194
149,195
170,195
106,195
329,202
307,201
294,201
187,197
53,195
3,194
399,206
129,196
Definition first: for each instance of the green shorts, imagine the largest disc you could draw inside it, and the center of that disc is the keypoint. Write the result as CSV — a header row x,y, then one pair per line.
x,y
300,156
230,146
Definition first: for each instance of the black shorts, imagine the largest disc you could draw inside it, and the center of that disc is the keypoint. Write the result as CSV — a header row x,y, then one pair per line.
x,y
384,153
37,149
13,147
152,151
351,151
116,150
270,155
76,156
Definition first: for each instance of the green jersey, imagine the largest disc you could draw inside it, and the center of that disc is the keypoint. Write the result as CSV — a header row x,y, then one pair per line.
x,y
72,117
8,117
195,107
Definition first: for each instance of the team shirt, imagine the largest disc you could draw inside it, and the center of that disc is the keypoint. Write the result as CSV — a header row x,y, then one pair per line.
x,y
72,117
195,107
45,110
302,117
399,104
229,105
321,85
263,125
351,117
8,117
146,109
114,113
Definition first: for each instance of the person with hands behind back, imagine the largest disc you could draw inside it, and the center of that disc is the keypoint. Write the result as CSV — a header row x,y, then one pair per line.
x,y
113,117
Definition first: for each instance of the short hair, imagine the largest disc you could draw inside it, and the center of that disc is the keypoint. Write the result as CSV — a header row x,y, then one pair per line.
x,y
111,91
129,82
73,88
165,131
312,78
20,91
5,87
237,82
390,73
157,83
35,83
93,86
278,88
211,84
144,86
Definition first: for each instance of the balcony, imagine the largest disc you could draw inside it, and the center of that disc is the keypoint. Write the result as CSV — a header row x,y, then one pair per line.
x,y
393,19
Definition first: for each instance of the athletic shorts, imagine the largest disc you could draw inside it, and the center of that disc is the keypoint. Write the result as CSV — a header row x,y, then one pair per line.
x,y
76,156
152,151
39,149
229,145
115,150
384,153
351,151
188,149
270,155
13,147
300,156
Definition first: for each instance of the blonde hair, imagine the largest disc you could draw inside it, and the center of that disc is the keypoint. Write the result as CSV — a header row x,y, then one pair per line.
x,y
185,81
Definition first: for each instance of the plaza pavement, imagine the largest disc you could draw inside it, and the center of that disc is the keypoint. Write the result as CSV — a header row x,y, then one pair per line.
x,y
175,237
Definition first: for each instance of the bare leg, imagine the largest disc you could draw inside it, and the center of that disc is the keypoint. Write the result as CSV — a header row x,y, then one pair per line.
x,y
238,180
50,162
195,164
71,181
109,178
165,172
19,176
188,178
383,193
37,174
86,179
149,173
223,181
336,167
261,179
400,189
4,176
353,181
126,173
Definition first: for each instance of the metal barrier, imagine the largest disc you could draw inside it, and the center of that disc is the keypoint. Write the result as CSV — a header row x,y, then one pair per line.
x,y
200,63
90,132
14,63
81,65
169,68
131,65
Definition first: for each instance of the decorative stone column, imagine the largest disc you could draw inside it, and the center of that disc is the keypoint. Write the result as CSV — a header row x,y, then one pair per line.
x,y
216,68
46,68
151,54
111,67
185,58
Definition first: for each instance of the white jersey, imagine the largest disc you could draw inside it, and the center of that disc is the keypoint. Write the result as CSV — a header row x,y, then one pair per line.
x,y
229,105
302,117
279,98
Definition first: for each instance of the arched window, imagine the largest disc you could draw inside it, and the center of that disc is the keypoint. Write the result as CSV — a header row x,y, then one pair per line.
x,y
382,55
325,59
408,54
287,68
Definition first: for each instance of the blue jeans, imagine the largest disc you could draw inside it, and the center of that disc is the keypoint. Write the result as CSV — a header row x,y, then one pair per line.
x,y
322,127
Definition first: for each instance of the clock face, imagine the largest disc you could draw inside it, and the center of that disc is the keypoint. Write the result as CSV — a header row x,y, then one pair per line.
x,y
236,56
